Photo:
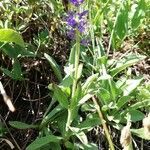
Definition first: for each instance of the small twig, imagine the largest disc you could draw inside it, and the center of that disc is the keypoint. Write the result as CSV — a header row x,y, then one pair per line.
x,y
108,136
10,133
6,99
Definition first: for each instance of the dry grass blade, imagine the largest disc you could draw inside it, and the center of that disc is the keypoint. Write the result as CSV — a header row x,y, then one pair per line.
x,y
6,99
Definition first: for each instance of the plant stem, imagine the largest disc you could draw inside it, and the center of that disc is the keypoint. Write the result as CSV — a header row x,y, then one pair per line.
x,y
76,64
108,136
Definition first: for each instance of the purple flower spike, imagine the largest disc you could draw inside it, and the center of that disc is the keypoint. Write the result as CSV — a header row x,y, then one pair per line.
x,y
81,26
76,2
71,20
71,34
85,42
83,14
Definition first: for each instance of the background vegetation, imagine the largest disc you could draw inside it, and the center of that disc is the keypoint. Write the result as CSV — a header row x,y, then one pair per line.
x,y
90,92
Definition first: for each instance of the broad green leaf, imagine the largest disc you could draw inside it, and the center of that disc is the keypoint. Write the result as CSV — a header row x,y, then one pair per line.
x,y
67,81
141,104
58,109
138,105
104,95
125,62
74,102
76,98
85,98
60,96
138,14
141,133
54,146
40,142
16,51
80,134
136,115
54,66
113,89
130,85
82,137
90,122
89,81
21,125
9,35
61,123
121,27
122,101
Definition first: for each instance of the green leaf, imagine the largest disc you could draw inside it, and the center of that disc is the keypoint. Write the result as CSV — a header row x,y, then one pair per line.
x,y
136,115
113,90
61,122
54,66
90,146
138,14
125,62
79,73
130,85
104,95
16,51
90,122
76,98
60,96
138,105
89,81
122,101
85,98
21,125
17,73
72,55
9,35
141,133
40,142
7,72
121,27
80,134
58,109
67,81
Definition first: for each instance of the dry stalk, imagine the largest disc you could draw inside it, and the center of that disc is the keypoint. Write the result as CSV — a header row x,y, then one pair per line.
x,y
6,99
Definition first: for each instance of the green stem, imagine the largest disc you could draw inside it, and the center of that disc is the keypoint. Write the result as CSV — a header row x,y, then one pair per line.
x,y
76,64
77,55
108,136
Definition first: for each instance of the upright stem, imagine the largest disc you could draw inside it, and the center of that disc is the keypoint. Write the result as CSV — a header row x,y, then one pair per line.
x,y
77,55
108,136
76,64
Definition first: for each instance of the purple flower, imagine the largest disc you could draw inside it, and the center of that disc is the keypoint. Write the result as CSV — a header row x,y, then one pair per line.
x,y
71,34
83,14
70,19
76,20
85,42
81,26
76,2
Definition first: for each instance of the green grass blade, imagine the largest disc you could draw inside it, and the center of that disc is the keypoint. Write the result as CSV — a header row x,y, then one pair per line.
x,y
54,66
